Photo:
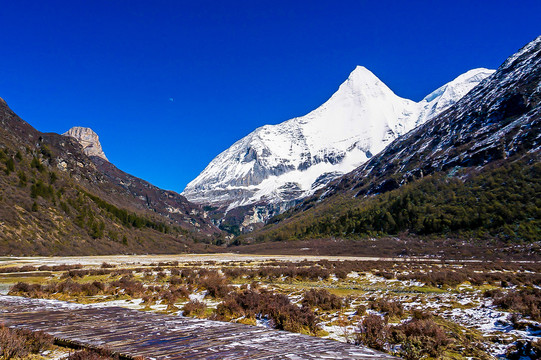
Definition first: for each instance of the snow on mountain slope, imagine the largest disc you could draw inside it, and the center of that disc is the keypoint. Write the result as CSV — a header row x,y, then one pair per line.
x,y
447,95
280,164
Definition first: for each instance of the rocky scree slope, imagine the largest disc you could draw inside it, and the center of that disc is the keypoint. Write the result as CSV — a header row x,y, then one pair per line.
x,y
56,200
275,166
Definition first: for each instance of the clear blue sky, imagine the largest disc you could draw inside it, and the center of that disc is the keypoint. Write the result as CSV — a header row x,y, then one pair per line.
x,y
229,66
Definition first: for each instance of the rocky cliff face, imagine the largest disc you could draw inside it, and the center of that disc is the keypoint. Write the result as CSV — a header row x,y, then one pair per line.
x,y
88,139
277,165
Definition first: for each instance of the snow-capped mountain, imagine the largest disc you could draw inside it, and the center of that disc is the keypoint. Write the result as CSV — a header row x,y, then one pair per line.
x,y
497,122
280,164
469,173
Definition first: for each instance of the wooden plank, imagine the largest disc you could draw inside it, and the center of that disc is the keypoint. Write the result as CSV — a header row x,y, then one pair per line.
x,y
169,337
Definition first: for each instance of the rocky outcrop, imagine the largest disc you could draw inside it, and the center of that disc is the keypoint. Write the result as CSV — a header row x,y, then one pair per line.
x,y
88,139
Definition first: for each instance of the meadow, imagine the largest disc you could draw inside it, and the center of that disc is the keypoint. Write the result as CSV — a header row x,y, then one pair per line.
x,y
419,308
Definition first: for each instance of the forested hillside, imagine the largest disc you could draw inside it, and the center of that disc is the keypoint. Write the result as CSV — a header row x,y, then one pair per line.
x,y
54,200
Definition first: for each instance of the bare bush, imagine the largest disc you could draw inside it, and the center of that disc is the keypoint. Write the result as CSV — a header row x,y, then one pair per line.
x,y
215,284
389,308
322,299
11,345
419,338
194,307
92,354
18,343
526,301
282,314
372,332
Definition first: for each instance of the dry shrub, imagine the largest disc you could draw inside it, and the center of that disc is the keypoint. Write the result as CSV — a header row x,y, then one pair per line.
x,y
421,314
173,294
234,273
441,278
385,274
215,284
148,300
13,269
322,299
288,316
130,286
313,273
526,301
22,288
282,314
190,276
175,280
341,274
11,345
194,308
36,341
29,268
360,310
93,288
389,308
21,342
419,338
279,269
92,354
160,275
372,332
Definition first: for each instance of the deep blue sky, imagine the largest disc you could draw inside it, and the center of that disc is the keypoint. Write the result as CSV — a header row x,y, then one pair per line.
x,y
229,66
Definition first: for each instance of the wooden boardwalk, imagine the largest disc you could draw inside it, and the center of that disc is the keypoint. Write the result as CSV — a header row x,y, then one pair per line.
x,y
156,336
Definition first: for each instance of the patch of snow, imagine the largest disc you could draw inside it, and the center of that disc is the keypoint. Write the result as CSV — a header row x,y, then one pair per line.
x,y
200,296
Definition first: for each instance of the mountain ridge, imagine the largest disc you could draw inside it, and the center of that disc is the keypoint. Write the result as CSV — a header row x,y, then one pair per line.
x,y
470,173
275,166
55,199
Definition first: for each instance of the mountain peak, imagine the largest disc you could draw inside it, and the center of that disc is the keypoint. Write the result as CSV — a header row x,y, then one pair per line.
x,y
277,165
361,71
362,80
88,139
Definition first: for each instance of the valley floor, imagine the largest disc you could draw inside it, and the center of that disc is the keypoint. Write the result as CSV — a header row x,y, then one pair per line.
x,y
414,309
